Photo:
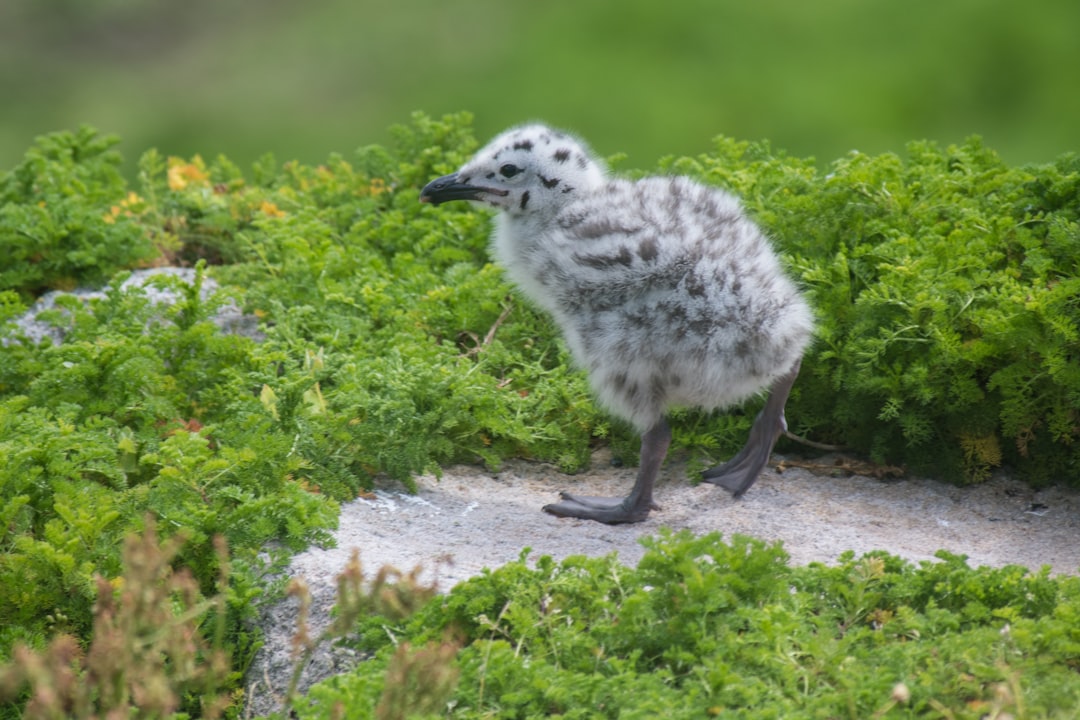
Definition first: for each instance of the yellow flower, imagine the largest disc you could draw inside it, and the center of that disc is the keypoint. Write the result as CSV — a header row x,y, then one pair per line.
x,y
376,187
182,174
131,200
269,208
126,206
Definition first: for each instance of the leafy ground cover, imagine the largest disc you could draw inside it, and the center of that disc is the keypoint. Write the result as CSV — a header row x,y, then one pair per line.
x,y
710,628
945,284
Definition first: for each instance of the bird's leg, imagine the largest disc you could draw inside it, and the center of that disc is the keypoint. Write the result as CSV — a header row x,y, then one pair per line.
x,y
740,472
634,507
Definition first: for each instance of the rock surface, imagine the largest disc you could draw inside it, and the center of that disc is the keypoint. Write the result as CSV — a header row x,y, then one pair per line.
x,y
229,317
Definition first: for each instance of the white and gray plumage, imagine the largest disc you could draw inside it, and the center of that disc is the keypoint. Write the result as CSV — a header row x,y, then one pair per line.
x,y
666,292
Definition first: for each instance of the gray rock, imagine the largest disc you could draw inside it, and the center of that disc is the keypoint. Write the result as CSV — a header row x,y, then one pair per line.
x,y
229,317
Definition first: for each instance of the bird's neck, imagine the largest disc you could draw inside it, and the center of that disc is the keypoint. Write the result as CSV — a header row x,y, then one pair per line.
x,y
516,237
523,246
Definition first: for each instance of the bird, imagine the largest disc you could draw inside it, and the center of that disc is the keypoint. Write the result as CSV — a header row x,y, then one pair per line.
x,y
666,292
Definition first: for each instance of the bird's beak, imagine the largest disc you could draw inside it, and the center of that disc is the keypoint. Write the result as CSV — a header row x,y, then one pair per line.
x,y
448,188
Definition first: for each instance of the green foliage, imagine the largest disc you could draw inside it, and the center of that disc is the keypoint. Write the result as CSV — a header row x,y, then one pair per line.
x,y
945,286
60,219
394,304
385,351
120,420
147,657
704,627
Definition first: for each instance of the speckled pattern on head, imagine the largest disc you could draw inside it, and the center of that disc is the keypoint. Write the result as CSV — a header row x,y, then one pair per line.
x,y
666,292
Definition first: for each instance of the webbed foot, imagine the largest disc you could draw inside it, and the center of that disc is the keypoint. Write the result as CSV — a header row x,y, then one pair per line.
x,y
636,506
742,471
612,511
739,473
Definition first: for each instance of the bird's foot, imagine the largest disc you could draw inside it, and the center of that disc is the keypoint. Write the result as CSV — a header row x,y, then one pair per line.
x,y
739,473
612,511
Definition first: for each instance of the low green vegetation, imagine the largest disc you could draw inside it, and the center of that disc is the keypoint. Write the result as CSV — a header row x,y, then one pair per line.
x,y
946,288
945,284
146,656
701,628
708,628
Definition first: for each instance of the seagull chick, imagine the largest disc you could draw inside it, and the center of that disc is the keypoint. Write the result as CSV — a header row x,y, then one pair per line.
x,y
665,291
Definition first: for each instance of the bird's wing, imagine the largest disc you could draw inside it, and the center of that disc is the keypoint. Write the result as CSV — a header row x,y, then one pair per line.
x,y
618,255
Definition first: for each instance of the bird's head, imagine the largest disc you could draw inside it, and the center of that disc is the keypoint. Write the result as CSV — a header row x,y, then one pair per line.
x,y
525,170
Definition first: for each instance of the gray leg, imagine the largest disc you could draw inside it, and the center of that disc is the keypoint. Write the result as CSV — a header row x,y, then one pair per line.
x,y
634,507
740,472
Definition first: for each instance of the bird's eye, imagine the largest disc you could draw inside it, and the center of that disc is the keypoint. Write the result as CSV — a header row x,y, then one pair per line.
x,y
509,171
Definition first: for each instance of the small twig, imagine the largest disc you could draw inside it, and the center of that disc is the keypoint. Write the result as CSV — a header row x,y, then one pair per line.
x,y
502,318
843,464
490,336
811,443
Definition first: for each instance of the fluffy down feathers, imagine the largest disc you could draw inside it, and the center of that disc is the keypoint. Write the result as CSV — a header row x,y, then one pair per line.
x,y
666,292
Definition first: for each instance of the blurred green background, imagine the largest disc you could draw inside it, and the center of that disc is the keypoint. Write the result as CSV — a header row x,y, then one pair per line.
x,y
645,77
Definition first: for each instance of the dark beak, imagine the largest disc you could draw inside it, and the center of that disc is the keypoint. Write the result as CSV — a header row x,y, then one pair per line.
x,y
448,188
